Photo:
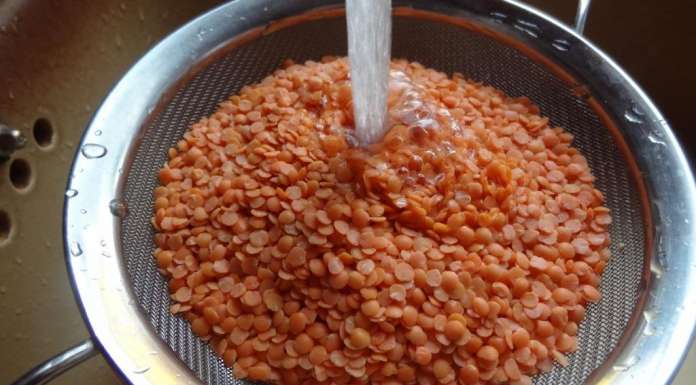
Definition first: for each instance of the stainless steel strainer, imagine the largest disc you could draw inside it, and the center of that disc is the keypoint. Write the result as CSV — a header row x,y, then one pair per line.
x,y
638,333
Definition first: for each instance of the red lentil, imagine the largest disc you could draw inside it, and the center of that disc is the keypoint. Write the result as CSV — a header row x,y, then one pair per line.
x,y
463,248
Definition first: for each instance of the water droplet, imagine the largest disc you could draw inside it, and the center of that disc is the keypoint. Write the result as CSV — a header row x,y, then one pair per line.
x,y
634,115
624,366
93,151
561,44
71,193
201,34
654,139
498,17
102,243
141,370
527,27
118,40
242,18
141,14
656,269
118,208
98,133
83,211
75,249
265,9
649,329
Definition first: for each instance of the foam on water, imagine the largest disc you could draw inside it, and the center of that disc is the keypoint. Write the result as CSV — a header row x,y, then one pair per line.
x,y
369,50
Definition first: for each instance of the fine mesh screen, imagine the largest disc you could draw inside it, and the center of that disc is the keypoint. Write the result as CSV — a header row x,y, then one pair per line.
x,y
442,46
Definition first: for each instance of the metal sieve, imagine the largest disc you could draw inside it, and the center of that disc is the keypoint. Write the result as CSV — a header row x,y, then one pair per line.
x,y
638,333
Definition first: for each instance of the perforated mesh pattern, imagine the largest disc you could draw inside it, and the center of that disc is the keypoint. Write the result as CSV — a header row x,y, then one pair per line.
x,y
441,46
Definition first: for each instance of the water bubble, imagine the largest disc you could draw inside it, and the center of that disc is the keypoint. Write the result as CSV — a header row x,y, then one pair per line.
x,y
118,208
70,193
102,243
634,115
561,45
93,151
75,249
98,133
527,27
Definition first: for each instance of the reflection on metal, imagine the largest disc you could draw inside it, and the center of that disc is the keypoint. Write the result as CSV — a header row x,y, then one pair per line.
x,y
52,368
102,283
11,140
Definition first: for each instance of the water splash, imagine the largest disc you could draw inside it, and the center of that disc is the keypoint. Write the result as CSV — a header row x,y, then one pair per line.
x,y
369,50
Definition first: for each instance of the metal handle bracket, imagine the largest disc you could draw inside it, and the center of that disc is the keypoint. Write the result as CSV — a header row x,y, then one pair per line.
x,y
58,364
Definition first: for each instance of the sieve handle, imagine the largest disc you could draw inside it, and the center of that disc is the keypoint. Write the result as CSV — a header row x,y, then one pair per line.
x,y
58,364
581,15
11,140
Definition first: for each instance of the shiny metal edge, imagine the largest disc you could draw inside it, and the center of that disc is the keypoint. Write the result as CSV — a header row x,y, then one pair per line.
x,y
56,365
650,354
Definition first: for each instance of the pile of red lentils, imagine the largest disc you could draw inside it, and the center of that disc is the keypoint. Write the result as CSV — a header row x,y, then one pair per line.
x,y
462,249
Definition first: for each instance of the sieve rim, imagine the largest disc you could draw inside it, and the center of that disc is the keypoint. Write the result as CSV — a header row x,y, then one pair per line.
x,y
102,286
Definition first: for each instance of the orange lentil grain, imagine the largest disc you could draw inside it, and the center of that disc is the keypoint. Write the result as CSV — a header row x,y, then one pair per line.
x,y
303,259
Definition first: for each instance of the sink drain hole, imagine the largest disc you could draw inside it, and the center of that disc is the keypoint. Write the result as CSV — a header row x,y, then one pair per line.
x,y
5,225
20,173
43,132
